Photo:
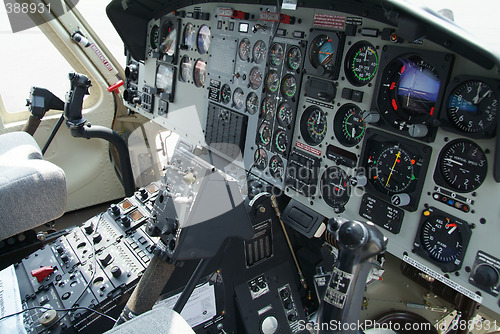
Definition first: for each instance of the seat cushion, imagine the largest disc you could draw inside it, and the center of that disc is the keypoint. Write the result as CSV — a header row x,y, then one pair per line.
x,y
18,145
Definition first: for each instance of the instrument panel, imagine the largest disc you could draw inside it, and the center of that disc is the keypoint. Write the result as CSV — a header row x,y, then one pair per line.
x,y
344,116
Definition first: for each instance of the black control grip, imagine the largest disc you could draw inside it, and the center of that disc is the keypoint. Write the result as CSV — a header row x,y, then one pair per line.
x,y
74,98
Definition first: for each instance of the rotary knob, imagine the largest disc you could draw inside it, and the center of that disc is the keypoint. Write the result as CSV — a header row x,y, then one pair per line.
x,y
115,210
143,193
116,271
485,275
105,259
96,238
88,227
126,221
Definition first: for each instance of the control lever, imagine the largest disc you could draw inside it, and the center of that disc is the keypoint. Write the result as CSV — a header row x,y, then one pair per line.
x,y
40,101
358,242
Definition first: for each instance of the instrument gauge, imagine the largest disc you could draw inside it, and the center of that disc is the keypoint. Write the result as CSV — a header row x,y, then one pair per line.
x,y
335,187
268,108
255,77
294,58
186,69
281,141
203,41
472,108
289,86
154,37
244,49
285,115
276,167
361,63
189,35
200,73
238,98
169,35
322,51
252,103
260,159
277,54
264,134
225,94
259,51
349,126
462,165
272,81
394,169
313,125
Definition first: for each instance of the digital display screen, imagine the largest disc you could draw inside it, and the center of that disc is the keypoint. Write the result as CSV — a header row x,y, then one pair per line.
x,y
136,215
126,204
152,188
165,78
243,27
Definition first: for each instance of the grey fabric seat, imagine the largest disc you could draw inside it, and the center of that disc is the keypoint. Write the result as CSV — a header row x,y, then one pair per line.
x,y
32,190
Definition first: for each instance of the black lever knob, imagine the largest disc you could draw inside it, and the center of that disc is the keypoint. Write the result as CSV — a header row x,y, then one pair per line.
x,y
485,275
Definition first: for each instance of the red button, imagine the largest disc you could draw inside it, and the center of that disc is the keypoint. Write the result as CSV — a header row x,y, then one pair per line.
x,y
42,272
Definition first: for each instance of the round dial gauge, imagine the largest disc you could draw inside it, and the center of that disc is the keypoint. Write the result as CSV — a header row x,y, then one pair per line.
x,y
361,63
154,37
203,41
349,126
394,169
285,115
260,159
268,108
463,165
276,167
186,69
335,187
272,81
408,91
238,98
244,49
442,239
255,78
472,108
259,51
294,58
225,94
252,103
313,125
189,35
169,35
200,73
276,53
322,51
264,134
281,141
289,86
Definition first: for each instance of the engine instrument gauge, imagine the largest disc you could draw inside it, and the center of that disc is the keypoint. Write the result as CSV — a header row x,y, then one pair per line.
x,y
361,63
462,165
259,51
225,94
244,49
313,125
189,35
165,75
252,103
255,78
238,98
272,81
335,187
154,37
276,54
169,36
276,167
203,40
260,159
289,86
186,69
281,141
472,108
285,115
268,108
200,73
264,134
294,58
349,126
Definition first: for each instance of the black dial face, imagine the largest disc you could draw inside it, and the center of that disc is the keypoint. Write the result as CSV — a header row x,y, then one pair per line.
x,y
276,167
238,98
294,58
169,36
255,78
408,92
268,108
265,135
276,54
260,159
285,115
259,51
463,165
442,239
203,39
189,35
361,63
472,108
322,51
200,73
272,81
252,103
335,187
349,126
244,49
154,37
289,86
225,94
313,125
281,141
394,169
165,78
186,69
